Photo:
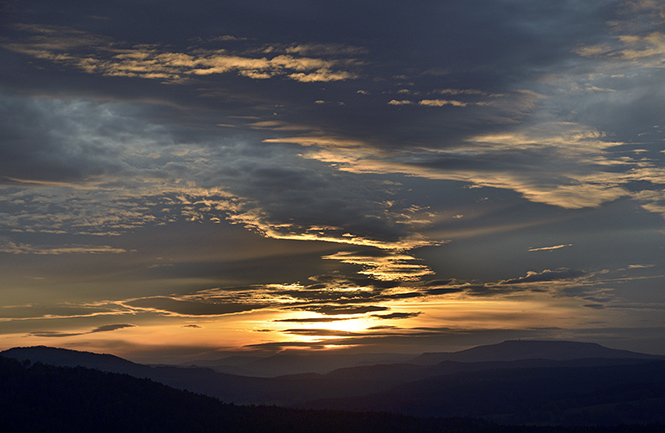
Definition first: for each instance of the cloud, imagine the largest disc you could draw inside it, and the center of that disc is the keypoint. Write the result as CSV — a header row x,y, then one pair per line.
x,y
322,75
441,103
640,266
402,295
104,328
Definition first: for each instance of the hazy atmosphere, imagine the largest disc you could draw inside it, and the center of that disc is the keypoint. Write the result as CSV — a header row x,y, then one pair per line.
x,y
181,180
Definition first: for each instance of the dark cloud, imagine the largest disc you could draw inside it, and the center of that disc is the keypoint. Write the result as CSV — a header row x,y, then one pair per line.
x,y
378,284
319,332
445,290
106,328
54,334
282,345
396,315
332,310
405,295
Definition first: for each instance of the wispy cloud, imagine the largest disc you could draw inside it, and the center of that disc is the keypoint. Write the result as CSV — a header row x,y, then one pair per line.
x,y
546,275
13,248
552,248
104,328
396,315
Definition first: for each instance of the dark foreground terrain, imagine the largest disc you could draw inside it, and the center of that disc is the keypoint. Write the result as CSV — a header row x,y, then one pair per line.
x,y
45,398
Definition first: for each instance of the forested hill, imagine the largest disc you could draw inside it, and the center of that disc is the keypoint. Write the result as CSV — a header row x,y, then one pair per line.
x,y
45,398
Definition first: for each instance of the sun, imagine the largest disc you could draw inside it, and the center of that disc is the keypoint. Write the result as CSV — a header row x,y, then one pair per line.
x,y
322,327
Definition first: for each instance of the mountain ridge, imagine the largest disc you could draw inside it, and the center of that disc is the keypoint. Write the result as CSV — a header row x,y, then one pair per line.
x,y
513,350
509,350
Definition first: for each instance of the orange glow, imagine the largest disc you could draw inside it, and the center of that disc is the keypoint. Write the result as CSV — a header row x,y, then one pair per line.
x,y
205,336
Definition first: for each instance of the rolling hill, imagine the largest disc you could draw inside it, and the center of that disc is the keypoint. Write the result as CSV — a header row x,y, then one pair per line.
x,y
513,350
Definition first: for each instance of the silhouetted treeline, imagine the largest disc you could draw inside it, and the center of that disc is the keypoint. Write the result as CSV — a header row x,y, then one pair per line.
x,y
45,398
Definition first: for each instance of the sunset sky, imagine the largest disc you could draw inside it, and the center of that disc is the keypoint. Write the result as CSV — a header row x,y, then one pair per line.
x,y
181,180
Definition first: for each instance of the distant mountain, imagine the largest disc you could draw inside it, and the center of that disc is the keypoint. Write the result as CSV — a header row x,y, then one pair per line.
x,y
393,374
295,363
513,350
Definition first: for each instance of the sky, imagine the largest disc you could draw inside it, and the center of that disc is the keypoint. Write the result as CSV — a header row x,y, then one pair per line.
x,y
183,180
